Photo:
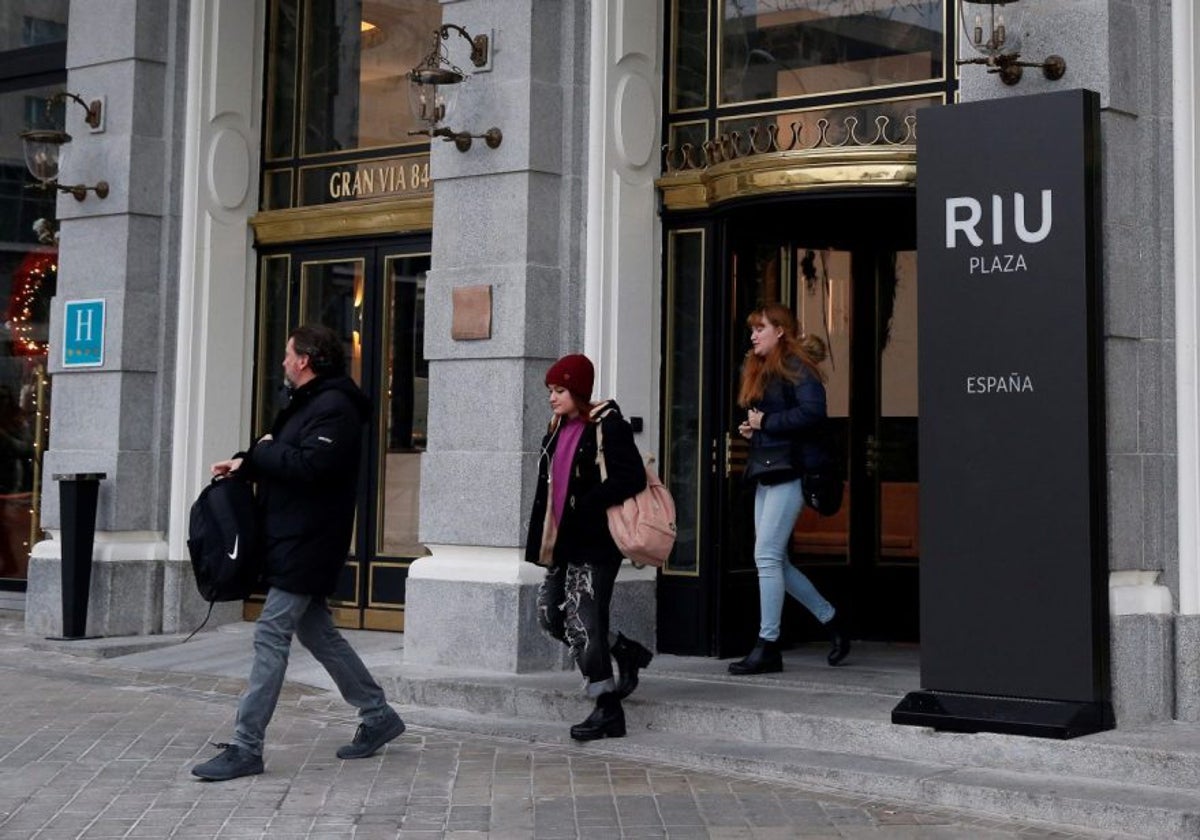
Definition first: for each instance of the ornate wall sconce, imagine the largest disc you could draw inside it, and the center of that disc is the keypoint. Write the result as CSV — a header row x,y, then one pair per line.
x,y
42,148
993,28
433,88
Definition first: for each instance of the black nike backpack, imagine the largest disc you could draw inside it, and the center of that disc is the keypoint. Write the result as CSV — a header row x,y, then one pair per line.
x,y
223,540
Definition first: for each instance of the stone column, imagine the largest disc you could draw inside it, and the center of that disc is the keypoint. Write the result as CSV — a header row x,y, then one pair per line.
x,y
125,249
515,218
216,273
1186,89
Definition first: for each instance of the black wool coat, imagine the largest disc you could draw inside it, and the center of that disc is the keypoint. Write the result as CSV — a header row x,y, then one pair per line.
x,y
307,484
582,535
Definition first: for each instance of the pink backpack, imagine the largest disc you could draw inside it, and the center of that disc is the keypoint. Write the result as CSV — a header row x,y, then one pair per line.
x,y
643,527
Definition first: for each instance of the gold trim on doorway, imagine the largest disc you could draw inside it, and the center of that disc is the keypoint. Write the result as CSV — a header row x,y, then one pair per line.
x,y
413,214
790,172
392,620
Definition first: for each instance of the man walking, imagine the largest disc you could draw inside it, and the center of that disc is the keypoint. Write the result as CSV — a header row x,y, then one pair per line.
x,y
306,471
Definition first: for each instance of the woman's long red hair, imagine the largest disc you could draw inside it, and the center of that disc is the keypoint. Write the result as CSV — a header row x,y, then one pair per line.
x,y
757,371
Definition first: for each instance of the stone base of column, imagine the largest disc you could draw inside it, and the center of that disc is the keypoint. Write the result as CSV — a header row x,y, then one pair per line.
x,y
476,608
1187,679
183,608
1143,648
126,590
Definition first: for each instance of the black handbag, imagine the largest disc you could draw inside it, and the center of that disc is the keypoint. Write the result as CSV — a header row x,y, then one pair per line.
x,y
772,463
823,491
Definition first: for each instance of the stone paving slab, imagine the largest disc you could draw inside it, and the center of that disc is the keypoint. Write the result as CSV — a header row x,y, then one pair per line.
x,y
89,749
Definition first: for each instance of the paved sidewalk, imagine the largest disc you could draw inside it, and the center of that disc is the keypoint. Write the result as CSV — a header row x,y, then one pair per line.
x,y
92,749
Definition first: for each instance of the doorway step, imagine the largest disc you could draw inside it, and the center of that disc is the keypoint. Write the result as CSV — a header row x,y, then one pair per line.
x,y
830,728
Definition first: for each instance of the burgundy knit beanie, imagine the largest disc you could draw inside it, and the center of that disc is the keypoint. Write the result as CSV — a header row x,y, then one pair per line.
x,y
575,373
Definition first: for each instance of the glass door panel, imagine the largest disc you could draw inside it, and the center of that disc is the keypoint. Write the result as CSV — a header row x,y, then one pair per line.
x,y
405,407
274,296
403,411
373,297
684,394
860,300
331,293
897,452
823,304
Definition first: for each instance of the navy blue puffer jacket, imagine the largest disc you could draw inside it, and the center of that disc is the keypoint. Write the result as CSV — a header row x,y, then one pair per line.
x,y
796,417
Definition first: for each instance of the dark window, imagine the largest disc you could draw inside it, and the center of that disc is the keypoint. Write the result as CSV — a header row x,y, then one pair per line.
x,y
32,68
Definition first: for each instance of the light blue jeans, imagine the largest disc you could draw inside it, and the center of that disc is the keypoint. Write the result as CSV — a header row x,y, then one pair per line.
x,y
775,510
307,617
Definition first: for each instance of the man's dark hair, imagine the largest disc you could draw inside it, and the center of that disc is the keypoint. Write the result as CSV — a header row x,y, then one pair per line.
x,y
323,348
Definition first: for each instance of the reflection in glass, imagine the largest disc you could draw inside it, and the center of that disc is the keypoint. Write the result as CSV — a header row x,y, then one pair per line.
x,y
277,190
689,66
685,290
28,279
773,49
33,24
331,293
281,79
406,407
823,309
898,488
273,329
356,57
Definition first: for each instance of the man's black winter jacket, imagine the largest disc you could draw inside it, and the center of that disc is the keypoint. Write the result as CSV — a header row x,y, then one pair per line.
x,y
307,479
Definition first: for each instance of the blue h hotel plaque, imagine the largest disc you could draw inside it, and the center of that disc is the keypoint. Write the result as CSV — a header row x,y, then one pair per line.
x,y
1014,565
83,333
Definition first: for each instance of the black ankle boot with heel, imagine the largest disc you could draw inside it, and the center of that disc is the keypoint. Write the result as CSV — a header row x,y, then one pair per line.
x,y
631,657
607,720
764,659
839,640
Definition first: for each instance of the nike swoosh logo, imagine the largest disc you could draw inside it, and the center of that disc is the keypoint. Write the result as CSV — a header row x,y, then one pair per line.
x,y
233,554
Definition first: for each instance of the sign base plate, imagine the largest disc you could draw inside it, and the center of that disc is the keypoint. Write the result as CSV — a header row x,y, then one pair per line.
x,y
955,712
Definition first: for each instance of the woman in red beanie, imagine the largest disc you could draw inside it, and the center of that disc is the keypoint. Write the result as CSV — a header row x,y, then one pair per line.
x,y
568,533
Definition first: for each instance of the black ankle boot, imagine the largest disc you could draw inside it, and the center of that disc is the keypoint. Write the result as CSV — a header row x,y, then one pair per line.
x,y
764,659
630,657
607,720
839,640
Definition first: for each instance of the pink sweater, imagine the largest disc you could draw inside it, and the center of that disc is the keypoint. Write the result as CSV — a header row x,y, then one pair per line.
x,y
560,468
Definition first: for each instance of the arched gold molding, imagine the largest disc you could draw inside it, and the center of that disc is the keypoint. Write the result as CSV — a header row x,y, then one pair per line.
x,y
799,170
412,214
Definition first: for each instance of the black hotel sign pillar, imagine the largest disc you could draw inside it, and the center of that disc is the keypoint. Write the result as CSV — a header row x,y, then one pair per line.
x,y
1014,612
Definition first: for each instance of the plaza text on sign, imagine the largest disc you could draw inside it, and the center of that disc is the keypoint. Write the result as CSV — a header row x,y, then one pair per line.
x,y
965,215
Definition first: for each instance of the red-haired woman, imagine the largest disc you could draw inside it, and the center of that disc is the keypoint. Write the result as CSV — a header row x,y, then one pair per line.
x,y
784,397
568,532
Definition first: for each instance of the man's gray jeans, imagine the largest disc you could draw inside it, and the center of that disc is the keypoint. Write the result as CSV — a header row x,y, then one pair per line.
x,y
307,617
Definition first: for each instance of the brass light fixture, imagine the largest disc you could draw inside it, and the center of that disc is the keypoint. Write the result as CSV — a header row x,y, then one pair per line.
x,y
433,88
42,148
993,28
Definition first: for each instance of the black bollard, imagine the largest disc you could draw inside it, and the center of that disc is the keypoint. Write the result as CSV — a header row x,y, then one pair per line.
x,y
77,494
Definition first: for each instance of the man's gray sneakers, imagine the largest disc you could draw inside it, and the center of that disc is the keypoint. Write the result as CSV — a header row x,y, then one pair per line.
x,y
368,739
232,763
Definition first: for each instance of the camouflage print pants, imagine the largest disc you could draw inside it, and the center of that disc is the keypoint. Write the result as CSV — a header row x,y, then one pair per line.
x,y
573,603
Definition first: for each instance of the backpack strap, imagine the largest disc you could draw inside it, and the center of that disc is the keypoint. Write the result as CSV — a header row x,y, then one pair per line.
x,y
600,444
599,412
